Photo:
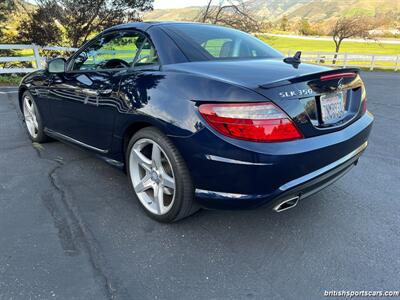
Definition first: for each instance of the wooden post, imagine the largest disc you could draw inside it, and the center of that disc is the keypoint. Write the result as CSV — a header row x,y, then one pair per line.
x,y
372,63
37,56
318,58
397,63
288,54
335,58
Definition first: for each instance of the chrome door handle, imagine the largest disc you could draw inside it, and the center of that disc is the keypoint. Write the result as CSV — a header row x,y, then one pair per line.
x,y
55,79
104,92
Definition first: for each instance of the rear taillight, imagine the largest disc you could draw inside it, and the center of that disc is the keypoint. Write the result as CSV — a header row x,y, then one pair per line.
x,y
337,76
260,122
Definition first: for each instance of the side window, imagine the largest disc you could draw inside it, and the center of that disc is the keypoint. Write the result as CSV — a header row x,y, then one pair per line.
x,y
111,51
219,47
228,48
147,55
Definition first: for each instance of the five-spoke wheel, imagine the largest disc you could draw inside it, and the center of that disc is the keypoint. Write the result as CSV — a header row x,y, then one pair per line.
x,y
159,176
32,118
152,176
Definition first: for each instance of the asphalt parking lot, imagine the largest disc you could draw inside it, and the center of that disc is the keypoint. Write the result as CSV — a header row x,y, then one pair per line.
x,y
71,229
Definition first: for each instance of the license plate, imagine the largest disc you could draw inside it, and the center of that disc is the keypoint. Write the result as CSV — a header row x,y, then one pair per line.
x,y
332,106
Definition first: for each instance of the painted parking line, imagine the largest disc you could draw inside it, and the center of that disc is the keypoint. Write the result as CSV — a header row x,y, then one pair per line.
x,y
8,92
7,88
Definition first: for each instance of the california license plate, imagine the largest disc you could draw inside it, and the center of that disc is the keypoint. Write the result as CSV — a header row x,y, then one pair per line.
x,y
332,106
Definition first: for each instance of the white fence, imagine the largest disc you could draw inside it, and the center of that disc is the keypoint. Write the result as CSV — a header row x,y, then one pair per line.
x,y
37,61
370,61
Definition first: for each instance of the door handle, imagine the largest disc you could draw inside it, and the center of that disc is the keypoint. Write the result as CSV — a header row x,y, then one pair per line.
x,y
104,92
55,79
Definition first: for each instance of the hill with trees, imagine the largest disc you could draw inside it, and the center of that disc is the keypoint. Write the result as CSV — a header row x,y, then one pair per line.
x,y
322,13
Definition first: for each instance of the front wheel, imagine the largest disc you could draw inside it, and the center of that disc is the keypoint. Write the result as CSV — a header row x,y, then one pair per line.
x,y
159,176
32,118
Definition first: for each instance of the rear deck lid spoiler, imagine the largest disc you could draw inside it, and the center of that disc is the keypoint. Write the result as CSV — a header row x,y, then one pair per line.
x,y
307,77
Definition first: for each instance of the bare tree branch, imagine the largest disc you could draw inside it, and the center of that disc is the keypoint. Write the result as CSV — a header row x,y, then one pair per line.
x,y
205,14
346,28
229,13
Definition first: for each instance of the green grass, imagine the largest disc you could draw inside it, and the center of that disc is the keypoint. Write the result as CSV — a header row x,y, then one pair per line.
x,y
284,44
8,79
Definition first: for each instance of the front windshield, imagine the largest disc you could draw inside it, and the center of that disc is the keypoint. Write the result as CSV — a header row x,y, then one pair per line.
x,y
207,42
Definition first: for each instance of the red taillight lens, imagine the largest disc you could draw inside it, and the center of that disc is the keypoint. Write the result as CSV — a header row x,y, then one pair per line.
x,y
260,122
337,75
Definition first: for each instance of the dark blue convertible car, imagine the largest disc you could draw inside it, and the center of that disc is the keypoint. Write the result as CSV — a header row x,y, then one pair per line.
x,y
201,116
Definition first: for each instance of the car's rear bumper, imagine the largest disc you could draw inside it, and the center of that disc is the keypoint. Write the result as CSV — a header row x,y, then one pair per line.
x,y
237,176
299,188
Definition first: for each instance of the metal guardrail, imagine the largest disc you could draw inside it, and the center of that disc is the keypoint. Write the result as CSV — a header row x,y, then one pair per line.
x,y
36,59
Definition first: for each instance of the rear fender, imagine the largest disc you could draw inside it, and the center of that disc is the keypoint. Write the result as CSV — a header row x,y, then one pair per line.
x,y
170,99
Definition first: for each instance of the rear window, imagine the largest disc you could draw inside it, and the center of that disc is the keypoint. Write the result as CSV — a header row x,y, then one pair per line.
x,y
207,42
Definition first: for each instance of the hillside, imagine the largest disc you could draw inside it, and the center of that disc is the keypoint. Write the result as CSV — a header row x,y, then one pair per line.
x,y
314,10
178,14
319,10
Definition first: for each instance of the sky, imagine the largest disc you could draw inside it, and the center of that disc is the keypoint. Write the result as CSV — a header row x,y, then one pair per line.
x,y
178,3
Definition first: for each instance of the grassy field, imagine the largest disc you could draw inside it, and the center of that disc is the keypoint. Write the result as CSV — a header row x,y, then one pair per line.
x,y
284,44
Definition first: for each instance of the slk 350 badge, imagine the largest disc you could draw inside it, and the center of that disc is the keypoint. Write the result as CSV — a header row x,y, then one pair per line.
x,y
296,93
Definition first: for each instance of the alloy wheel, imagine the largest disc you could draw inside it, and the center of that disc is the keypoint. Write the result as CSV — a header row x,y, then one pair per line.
x,y
30,117
152,176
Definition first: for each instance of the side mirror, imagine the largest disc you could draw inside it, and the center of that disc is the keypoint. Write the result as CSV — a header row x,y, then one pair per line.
x,y
56,65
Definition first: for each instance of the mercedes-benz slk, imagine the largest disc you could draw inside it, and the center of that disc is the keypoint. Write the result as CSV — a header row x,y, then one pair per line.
x,y
201,116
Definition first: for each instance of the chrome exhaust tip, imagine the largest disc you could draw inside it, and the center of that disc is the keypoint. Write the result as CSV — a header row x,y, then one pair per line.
x,y
286,204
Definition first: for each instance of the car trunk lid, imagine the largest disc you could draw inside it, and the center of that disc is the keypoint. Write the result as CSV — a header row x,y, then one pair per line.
x,y
321,102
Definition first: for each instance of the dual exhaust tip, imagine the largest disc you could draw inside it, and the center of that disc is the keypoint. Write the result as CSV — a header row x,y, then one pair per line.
x,y
286,204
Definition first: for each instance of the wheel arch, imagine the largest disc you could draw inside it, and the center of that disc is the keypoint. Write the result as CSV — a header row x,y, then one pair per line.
x,y
134,127
129,131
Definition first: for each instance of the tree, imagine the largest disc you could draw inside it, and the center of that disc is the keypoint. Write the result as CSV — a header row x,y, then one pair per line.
x,y
42,26
266,26
230,13
75,21
345,28
305,27
6,7
284,23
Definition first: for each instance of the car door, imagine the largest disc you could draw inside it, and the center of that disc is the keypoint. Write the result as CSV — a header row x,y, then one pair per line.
x,y
84,100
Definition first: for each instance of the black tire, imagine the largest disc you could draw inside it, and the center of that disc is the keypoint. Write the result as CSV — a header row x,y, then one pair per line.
x,y
183,204
40,137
